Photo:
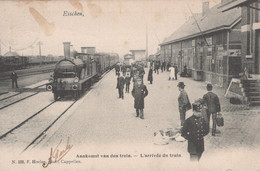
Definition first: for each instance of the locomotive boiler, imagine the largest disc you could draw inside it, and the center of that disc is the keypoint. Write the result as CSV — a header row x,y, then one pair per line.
x,y
76,72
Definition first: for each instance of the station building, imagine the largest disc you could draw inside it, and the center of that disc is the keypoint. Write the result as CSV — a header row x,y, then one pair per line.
x,y
209,44
250,33
248,87
138,54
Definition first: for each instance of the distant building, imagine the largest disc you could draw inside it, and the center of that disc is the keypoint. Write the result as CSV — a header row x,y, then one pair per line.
x,y
138,54
11,54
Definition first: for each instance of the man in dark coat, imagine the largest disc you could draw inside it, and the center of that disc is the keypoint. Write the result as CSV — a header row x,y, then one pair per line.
x,y
117,69
139,92
194,130
14,79
213,106
168,66
120,85
127,80
150,75
176,71
164,66
185,71
183,100
124,69
141,72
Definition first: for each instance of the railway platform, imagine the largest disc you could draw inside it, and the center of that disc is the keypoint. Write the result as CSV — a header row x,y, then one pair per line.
x,y
105,123
101,124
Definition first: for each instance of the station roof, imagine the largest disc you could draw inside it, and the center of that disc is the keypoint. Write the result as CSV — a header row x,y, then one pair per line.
x,y
212,21
10,53
236,3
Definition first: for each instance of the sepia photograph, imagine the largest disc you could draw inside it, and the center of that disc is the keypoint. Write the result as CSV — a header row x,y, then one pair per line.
x,y
130,85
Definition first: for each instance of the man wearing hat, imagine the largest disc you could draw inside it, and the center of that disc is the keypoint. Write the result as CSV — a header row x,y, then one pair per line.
x,y
120,86
184,103
14,79
194,130
213,106
139,92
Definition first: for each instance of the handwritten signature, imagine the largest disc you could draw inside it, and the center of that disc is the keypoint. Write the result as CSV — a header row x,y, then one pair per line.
x,y
56,155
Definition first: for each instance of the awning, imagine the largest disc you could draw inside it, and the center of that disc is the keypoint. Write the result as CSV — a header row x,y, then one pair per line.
x,y
236,3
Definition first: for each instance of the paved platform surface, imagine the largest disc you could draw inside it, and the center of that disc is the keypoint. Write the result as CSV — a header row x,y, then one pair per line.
x,y
104,123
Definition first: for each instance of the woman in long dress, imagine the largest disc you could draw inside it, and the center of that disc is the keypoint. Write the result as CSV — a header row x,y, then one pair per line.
x,y
150,75
172,73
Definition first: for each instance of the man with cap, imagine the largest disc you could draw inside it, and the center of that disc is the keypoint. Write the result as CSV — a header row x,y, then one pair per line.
x,y
139,92
127,80
194,130
141,72
184,103
14,79
150,75
120,86
117,68
213,106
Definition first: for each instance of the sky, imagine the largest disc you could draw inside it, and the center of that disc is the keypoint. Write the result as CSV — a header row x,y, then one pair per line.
x,y
109,25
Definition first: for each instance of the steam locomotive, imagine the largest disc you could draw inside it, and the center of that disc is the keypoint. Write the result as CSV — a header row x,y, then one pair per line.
x,y
73,74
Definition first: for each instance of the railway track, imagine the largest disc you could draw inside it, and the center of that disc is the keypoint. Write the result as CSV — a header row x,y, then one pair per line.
x,y
6,76
26,120
49,126
32,130
16,94
24,95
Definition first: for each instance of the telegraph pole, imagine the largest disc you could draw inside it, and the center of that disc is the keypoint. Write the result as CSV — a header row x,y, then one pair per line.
x,y
40,43
146,51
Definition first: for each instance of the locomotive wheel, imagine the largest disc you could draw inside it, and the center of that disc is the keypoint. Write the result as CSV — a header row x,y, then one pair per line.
x,y
55,95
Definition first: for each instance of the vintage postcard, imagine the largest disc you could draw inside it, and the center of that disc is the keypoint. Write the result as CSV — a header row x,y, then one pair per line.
x,y
130,85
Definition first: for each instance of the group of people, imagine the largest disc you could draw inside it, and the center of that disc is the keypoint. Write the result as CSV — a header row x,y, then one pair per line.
x,y
173,72
139,91
156,65
197,126
172,68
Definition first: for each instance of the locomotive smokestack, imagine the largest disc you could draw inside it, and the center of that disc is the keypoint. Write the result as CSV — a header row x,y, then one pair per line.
x,y
66,49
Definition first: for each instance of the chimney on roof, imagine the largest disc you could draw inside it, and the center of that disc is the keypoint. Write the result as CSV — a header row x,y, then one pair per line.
x,y
205,8
10,49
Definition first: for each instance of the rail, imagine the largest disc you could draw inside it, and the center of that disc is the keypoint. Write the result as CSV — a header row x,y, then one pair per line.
x,y
23,73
